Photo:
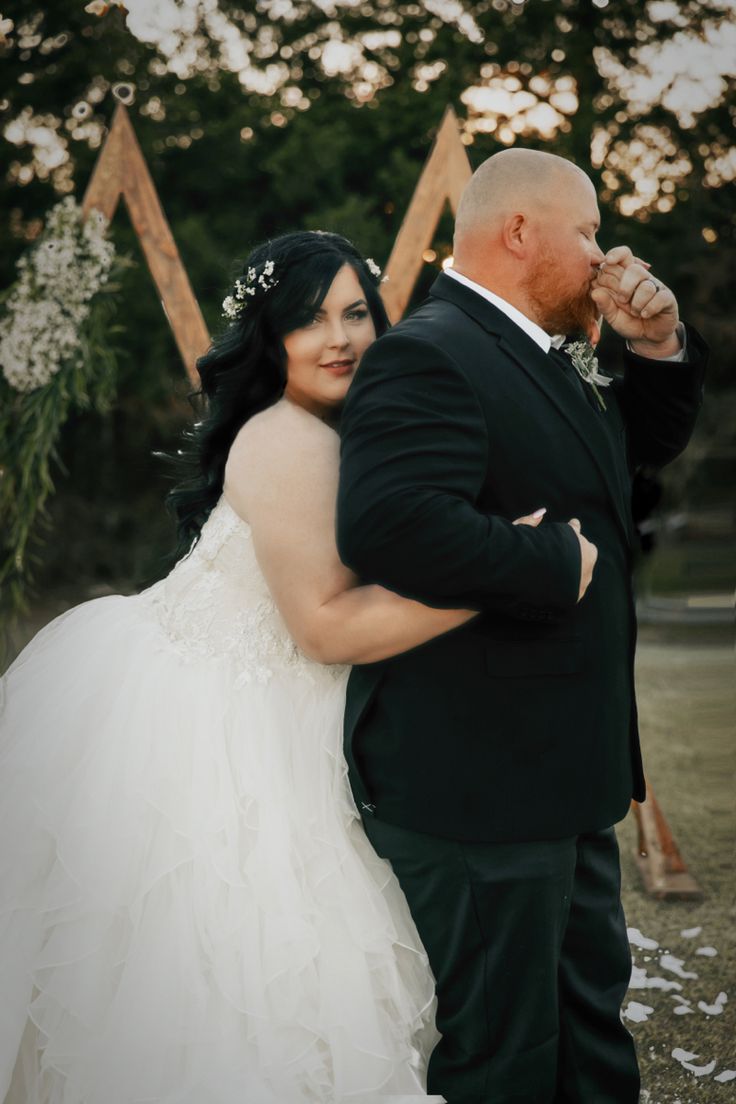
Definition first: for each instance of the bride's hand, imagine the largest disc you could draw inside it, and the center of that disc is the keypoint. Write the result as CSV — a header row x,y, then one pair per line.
x,y
532,519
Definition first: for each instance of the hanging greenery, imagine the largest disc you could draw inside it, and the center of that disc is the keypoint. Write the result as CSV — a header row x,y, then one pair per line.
x,y
56,356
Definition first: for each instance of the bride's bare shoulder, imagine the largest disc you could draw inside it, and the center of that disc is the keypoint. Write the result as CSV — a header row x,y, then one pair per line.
x,y
283,441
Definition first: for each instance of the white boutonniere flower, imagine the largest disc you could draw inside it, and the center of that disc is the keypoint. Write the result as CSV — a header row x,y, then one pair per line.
x,y
585,363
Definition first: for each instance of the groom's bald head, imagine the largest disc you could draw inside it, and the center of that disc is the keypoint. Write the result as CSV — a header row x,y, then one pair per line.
x,y
523,180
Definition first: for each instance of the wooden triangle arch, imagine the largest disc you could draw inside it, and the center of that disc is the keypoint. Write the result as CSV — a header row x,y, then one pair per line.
x,y
445,174
121,170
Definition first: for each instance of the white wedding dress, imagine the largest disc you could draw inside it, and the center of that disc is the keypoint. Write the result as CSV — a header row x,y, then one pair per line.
x,y
190,912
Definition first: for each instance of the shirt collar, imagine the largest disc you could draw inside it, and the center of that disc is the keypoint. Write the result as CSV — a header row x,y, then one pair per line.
x,y
535,332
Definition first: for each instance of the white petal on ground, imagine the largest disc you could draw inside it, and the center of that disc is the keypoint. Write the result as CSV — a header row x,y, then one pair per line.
x,y
707,952
725,1075
639,940
639,980
684,1056
683,1010
700,1071
674,965
714,1009
690,933
637,1013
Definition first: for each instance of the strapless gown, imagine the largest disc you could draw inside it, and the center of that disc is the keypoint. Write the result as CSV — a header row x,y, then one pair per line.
x,y
190,911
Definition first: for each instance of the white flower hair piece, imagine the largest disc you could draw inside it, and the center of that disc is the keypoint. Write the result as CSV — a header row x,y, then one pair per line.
x,y
372,267
245,287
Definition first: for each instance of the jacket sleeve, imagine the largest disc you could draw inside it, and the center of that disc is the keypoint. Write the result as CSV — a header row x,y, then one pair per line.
x,y
659,401
415,457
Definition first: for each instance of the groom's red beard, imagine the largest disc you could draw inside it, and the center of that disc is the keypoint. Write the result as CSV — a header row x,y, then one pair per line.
x,y
555,311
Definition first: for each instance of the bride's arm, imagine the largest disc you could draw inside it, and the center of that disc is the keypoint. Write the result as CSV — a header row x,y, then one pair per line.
x,y
281,477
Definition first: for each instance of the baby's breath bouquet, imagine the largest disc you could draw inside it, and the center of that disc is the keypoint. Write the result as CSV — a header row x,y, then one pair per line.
x,y
56,356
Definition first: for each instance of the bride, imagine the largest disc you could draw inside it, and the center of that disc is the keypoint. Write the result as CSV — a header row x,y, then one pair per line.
x,y
189,909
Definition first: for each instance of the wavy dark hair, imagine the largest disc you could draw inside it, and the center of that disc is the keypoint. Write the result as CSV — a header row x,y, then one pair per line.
x,y
244,370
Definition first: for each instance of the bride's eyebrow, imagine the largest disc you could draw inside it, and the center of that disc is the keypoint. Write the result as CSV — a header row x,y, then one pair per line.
x,y
357,303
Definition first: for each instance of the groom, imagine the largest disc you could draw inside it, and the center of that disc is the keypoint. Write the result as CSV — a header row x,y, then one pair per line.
x,y
490,764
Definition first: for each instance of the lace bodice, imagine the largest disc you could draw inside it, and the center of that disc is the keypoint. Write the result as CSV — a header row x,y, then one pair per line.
x,y
215,604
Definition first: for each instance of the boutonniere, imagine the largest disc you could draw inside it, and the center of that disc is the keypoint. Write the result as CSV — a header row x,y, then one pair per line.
x,y
585,363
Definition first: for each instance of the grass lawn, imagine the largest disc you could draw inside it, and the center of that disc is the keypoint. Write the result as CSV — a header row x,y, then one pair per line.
x,y
688,719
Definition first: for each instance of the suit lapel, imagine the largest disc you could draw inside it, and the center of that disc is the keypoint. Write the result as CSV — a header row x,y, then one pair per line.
x,y
589,424
586,422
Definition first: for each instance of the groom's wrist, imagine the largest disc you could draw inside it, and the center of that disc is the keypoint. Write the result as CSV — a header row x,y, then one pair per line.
x,y
672,348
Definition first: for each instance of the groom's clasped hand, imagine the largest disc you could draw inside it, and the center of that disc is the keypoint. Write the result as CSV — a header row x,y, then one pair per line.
x,y
588,551
635,304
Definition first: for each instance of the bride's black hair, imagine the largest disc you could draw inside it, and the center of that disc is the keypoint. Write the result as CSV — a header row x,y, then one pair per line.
x,y
244,370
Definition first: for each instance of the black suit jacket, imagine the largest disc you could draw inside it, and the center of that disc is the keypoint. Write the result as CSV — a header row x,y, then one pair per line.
x,y
521,725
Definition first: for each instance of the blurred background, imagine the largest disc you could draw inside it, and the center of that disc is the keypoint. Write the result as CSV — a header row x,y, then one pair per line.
x,y
256,118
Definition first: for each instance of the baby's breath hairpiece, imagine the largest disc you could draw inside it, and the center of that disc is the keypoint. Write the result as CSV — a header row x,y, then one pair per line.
x,y
246,286
374,269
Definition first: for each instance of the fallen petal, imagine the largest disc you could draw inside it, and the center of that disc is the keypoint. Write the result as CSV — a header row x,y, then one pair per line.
x,y
726,1075
707,952
639,940
637,1013
684,1056
700,1071
716,1008
639,980
690,933
674,965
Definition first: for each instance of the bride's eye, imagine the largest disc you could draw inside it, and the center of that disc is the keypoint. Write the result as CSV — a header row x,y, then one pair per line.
x,y
357,315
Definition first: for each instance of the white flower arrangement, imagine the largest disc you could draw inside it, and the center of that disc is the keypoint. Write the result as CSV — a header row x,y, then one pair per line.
x,y
234,305
56,356
51,299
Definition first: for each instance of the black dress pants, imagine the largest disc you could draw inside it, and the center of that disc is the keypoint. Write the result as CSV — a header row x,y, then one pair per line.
x,y
528,946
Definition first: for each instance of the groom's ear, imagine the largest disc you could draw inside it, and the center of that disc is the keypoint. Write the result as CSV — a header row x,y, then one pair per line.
x,y
516,234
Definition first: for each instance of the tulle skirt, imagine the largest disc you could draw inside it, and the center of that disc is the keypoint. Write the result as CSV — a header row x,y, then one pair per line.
x,y
189,909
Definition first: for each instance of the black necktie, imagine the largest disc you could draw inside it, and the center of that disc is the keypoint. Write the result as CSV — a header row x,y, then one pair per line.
x,y
562,360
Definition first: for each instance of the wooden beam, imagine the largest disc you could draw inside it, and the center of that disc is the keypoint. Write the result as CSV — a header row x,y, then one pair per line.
x,y
121,170
657,856
445,174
